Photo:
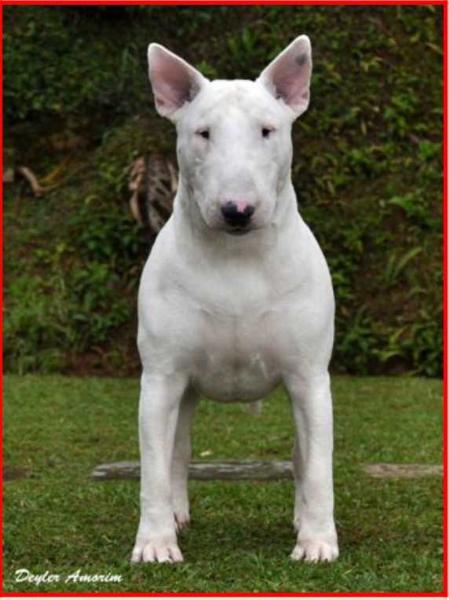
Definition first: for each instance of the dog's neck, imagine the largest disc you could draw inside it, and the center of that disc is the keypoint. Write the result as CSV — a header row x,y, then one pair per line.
x,y
192,232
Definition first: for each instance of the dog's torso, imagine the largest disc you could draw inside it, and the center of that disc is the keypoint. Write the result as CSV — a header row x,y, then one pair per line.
x,y
236,316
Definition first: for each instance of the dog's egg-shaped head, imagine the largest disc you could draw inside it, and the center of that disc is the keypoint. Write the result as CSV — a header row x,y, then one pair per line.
x,y
234,136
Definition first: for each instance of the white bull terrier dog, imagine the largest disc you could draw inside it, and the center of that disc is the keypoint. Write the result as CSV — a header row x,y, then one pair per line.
x,y
236,296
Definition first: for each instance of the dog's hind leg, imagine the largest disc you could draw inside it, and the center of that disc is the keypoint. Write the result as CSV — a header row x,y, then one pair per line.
x,y
181,457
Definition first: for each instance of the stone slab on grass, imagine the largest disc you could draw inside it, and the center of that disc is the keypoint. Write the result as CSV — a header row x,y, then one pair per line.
x,y
235,470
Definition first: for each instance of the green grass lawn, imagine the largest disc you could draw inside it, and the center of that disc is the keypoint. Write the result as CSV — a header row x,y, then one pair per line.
x,y
56,519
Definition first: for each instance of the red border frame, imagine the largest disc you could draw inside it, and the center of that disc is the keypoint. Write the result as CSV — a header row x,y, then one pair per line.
x,y
444,3
229,2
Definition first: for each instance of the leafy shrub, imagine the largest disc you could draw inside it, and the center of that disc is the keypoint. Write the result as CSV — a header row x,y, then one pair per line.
x,y
367,169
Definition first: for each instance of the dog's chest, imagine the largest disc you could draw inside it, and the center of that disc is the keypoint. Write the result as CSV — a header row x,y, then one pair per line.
x,y
236,355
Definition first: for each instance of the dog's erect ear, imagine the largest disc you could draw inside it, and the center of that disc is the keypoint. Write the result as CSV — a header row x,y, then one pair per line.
x,y
174,81
287,77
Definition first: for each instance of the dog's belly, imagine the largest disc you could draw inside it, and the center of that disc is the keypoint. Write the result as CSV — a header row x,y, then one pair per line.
x,y
231,383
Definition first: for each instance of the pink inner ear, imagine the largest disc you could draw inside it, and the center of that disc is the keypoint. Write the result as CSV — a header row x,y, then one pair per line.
x,y
290,77
173,82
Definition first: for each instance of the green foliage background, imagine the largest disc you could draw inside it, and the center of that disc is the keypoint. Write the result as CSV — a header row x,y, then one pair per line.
x,y
367,170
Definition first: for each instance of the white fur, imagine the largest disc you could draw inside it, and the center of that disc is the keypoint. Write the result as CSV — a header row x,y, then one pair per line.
x,y
233,316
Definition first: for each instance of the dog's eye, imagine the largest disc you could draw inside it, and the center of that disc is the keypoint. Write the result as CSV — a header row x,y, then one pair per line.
x,y
204,133
266,132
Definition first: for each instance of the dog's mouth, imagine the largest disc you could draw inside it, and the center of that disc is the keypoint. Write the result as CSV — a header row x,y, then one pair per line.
x,y
238,230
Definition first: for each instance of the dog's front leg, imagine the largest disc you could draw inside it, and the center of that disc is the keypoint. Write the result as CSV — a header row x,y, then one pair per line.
x,y
312,466
160,397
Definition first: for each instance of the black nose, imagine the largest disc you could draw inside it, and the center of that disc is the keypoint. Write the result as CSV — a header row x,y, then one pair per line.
x,y
235,217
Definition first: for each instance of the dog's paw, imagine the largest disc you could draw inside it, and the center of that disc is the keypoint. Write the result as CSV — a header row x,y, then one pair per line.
x,y
182,519
156,552
315,550
181,509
